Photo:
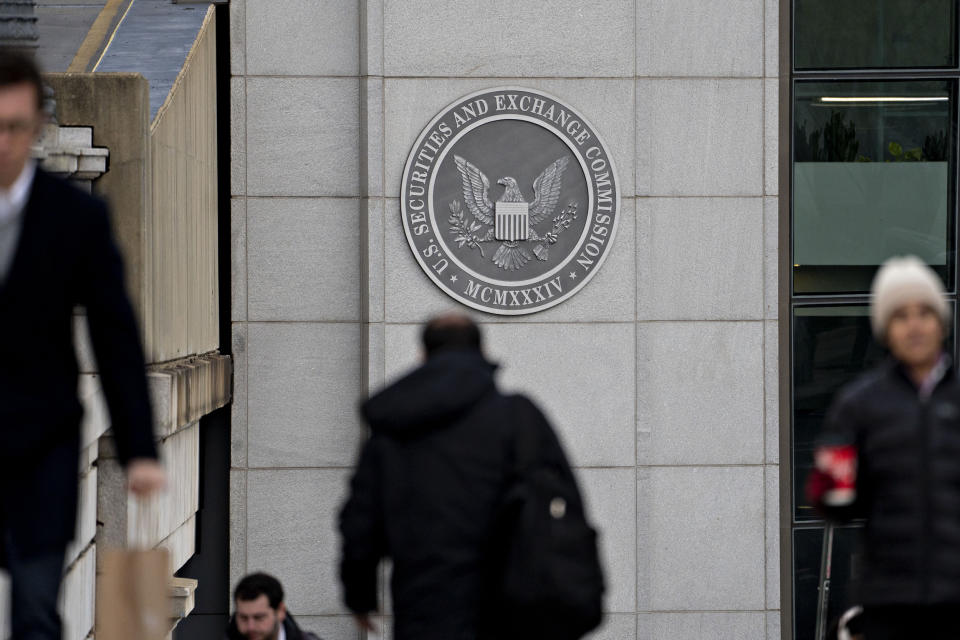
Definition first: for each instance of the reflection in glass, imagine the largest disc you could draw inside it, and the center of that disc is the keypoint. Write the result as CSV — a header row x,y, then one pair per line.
x,y
846,571
831,347
868,34
871,171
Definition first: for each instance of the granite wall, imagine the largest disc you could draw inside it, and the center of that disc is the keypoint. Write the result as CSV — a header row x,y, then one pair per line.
x,y
661,375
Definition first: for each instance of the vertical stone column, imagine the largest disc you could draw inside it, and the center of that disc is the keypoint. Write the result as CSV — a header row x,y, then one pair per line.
x,y
372,192
707,371
373,209
68,152
298,217
18,24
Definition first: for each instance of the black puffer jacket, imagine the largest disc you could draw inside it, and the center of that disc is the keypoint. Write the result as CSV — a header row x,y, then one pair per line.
x,y
908,484
426,493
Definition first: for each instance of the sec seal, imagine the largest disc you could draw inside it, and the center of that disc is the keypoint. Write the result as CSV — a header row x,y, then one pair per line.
x,y
510,200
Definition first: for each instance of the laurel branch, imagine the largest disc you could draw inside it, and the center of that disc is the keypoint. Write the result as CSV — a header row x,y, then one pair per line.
x,y
465,233
562,222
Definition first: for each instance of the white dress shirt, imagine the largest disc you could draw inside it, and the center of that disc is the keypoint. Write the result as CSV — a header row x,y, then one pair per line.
x,y
14,199
12,203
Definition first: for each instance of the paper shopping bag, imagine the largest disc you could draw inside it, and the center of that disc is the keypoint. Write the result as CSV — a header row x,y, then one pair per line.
x,y
132,600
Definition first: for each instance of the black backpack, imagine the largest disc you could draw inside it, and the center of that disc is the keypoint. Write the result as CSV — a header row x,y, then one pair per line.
x,y
551,585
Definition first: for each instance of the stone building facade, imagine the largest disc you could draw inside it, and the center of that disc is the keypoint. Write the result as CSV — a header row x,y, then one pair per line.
x,y
157,168
661,375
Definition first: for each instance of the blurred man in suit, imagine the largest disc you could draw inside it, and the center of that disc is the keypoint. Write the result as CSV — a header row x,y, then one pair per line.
x,y
56,252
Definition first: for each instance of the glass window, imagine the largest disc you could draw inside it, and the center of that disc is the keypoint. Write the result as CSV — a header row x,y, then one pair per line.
x,y
868,34
871,179
831,347
874,145
845,571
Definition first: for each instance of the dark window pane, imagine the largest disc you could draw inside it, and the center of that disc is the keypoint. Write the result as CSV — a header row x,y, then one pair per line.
x,y
871,179
846,570
865,34
831,347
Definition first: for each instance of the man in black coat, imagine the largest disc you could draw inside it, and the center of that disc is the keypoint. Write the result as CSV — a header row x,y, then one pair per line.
x,y
261,613
428,486
902,424
56,252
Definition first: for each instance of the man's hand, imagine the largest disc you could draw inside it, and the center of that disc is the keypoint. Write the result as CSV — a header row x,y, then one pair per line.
x,y
145,476
365,623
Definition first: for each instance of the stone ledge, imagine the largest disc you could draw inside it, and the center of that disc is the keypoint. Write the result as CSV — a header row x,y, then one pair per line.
x,y
86,529
166,519
96,419
182,392
181,544
186,390
182,591
69,152
77,597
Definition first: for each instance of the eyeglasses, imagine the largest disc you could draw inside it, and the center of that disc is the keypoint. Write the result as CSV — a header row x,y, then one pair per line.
x,y
17,127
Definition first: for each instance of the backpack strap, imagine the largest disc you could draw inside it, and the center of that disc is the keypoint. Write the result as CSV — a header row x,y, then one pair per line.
x,y
525,441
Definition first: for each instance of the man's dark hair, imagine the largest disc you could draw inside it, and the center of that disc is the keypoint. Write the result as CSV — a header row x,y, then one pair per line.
x,y
259,584
17,67
450,331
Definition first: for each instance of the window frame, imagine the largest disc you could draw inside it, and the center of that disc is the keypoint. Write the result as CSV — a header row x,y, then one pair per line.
x,y
788,300
952,77
911,71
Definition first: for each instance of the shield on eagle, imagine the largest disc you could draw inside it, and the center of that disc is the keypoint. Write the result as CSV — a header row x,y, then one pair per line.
x,y
512,221
513,218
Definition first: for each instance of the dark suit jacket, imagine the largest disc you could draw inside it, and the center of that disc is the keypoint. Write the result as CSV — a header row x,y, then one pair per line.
x,y
66,257
290,626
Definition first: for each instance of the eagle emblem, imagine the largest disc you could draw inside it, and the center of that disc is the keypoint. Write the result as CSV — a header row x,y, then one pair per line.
x,y
511,221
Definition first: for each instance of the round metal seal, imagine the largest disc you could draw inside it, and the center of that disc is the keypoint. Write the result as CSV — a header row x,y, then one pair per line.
x,y
510,200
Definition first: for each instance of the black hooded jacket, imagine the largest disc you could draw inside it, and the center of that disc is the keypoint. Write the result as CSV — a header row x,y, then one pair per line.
x,y
908,484
426,494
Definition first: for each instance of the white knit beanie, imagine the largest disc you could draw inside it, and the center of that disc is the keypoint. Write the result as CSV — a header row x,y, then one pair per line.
x,y
902,280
